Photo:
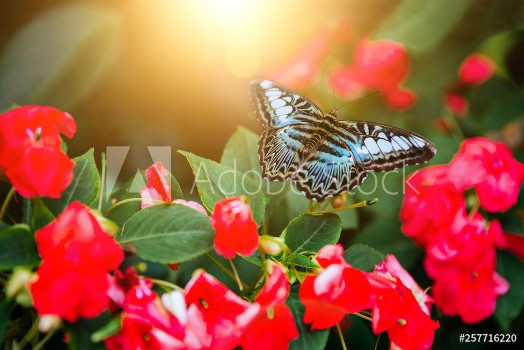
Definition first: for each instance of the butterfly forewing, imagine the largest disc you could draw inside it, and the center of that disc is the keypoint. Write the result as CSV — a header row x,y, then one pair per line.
x,y
325,157
277,106
380,147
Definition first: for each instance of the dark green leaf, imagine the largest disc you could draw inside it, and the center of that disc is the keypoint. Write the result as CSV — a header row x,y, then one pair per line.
x,y
421,25
123,212
169,233
241,152
6,306
303,261
217,181
41,214
62,66
510,304
18,248
309,233
363,257
85,185
307,339
111,328
254,258
80,333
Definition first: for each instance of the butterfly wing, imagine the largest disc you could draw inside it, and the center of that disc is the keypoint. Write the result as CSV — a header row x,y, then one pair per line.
x,y
288,120
380,147
330,171
277,106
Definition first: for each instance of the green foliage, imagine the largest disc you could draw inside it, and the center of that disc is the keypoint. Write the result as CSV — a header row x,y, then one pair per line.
x,y
363,257
168,233
307,339
84,187
309,233
510,305
217,181
22,248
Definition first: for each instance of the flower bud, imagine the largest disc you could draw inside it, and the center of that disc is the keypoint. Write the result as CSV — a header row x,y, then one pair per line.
x,y
270,245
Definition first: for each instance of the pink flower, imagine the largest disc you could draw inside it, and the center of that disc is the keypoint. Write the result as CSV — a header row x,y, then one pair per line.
x,y
490,168
456,103
476,69
235,228
431,203
377,65
159,189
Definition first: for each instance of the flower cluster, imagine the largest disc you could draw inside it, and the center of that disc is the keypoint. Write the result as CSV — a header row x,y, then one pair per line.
x,y
377,65
474,70
399,306
459,241
30,150
77,255
205,315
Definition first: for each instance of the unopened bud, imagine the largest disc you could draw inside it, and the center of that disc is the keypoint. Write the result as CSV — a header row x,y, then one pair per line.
x,y
48,323
270,245
107,225
339,201
18,281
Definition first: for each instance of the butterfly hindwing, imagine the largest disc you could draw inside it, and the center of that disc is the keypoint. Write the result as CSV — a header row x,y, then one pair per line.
x,y
329,171
277,106
380,147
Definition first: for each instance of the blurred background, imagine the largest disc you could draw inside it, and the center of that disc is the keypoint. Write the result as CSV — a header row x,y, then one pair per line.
x,y
176,73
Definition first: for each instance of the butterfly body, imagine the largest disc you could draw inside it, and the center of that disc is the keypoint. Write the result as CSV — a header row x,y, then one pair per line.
x,y
322,155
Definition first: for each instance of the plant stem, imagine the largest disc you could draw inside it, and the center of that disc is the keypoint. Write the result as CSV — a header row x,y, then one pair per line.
x,y
356,205
5,204
44,340
224,269
124,201
102,192
239,282
170,285
362,316
341,336
29,335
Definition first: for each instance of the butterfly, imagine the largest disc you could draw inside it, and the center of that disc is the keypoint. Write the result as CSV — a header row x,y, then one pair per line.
x,y
323,156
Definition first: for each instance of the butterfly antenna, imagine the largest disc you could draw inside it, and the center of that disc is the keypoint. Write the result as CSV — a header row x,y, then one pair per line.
x,y
333,91
360,98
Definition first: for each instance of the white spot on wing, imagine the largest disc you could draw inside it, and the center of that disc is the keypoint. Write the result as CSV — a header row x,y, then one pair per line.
x,y
283,110
371,145
278,103
385,146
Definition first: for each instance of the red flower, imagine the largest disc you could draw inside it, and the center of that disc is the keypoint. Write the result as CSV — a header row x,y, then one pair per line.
x,y
431,203
392,269
274,326
377,65
476,69
30,150
490,168
159,189
235,228
515,244
77,255
398,312
463,267
220,316
456,103
146,324
339,289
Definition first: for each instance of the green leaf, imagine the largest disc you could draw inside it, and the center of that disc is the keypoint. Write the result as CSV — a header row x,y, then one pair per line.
x,y
307,339
176,190
217,181
510,304
6,306
18,248
421,25
241,152
309,233
41,214
84,187
59,57
123,212
363,257
254,258
111,328
169,233
303,261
